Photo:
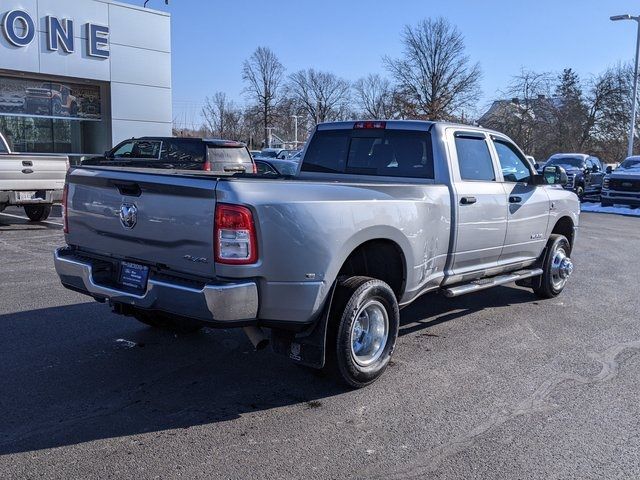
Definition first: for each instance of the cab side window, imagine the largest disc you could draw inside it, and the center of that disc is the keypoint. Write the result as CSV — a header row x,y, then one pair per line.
x,y
514,167
474,159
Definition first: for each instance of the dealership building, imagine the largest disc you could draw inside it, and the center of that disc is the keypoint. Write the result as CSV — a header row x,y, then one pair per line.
x,y
79,76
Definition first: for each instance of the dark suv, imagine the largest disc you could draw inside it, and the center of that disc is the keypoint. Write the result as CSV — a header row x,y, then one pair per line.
x,y
585,173
216,156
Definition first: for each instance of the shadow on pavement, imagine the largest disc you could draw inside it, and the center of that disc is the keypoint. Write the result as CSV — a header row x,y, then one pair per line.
x,y
78,373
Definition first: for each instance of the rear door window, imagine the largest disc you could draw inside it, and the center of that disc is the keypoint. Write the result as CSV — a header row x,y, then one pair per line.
x,y
394,153
474,159
185,151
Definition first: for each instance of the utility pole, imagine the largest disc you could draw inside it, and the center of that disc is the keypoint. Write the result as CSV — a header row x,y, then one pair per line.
x,y
634,99
295,129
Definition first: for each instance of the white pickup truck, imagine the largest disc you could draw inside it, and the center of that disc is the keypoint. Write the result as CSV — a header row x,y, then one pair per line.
x,y
32,181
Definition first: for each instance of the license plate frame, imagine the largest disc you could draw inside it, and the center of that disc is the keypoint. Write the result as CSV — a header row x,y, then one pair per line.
x,y
25,196
133,275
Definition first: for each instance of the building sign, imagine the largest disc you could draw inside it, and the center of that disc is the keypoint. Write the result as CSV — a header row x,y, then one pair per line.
x,y
20,30
37,98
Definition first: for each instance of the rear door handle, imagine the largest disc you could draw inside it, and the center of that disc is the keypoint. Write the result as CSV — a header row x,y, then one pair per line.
x,y
468,200
515,199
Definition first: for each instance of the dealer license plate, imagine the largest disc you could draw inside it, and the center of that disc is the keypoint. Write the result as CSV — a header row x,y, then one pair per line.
x,y
133,275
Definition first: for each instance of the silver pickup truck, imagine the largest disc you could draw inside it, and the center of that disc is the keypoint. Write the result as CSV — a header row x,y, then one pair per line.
x,y
379,214
32,181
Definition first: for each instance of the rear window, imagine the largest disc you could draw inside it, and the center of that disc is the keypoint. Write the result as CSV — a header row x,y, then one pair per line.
x,y
394,153
228,155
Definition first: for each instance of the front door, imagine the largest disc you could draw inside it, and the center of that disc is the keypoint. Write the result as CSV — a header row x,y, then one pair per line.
x,y
481,206
528,212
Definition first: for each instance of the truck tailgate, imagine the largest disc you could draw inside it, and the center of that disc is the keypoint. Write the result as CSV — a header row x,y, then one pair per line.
x,y
32,172
155,218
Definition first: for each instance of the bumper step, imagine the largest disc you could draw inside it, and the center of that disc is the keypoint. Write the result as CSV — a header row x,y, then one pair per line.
x,y
484,283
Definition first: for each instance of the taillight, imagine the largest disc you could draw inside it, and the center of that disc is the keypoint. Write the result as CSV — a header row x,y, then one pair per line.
x,y
65,216
370,125
206,166
255,168
234,235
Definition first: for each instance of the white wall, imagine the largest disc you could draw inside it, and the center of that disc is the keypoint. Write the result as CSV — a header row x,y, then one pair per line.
x,y
138,68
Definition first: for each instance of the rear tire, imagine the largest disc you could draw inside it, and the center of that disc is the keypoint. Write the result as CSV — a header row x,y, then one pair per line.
x,y
164,321
37,213
554,276
363,331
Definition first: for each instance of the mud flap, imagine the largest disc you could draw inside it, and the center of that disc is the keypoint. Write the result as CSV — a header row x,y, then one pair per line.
x,y
307,347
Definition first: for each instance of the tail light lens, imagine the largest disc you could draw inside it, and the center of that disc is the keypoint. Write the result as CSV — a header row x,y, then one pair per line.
x,y
255,168
65,216
235,235
206,166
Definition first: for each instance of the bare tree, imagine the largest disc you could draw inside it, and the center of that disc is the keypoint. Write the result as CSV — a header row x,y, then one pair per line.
x,y
375,97
222,118
263,75
609,101
322,95
434,73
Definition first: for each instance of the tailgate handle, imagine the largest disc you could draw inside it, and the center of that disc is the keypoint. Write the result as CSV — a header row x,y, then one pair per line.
x,y
27,170
128,189
27,163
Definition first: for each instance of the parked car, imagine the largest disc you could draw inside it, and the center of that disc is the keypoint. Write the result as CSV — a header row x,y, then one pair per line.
x,y
51,99
622,185
380,214
270,153
216,156
275,166
32,181
585,173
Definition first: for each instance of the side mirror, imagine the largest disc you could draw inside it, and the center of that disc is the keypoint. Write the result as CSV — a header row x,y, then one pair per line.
x,y
595,169
609,169
555,175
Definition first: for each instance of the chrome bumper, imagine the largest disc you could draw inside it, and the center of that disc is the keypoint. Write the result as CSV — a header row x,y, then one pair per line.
x,y
223,302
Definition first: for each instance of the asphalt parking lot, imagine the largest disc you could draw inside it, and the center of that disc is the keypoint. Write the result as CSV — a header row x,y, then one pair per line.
x,y
493,385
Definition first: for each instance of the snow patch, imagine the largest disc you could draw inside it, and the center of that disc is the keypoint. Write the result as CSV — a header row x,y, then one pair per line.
x,y
617,209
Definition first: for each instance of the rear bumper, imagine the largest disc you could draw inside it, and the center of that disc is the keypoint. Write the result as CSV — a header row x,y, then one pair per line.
x,y
10,197
226,303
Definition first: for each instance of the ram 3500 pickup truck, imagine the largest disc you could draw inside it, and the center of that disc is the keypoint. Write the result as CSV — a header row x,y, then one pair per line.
x,y
379,214
32,181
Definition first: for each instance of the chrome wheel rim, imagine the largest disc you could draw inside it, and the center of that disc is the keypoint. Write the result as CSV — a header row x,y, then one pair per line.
x,y
561,268
369,333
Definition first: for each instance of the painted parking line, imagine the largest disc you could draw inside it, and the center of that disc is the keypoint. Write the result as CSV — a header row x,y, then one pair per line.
x,y
25,218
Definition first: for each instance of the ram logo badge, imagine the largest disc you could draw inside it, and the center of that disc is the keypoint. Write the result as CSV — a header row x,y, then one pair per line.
x,y
128,215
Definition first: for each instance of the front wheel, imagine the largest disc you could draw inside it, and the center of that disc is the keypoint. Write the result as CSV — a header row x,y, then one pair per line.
x,y
580,192
365,320
557,267
37,213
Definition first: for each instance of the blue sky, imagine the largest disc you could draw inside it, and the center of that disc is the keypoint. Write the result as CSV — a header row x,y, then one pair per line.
x,y
211,38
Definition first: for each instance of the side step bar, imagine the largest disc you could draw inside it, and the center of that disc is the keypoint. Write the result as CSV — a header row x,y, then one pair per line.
x,y
485,283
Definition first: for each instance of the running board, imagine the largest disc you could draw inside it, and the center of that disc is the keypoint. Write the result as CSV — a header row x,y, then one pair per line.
x,y
485,283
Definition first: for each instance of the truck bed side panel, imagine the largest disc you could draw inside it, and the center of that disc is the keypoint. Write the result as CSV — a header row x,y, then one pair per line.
x,y
308,229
